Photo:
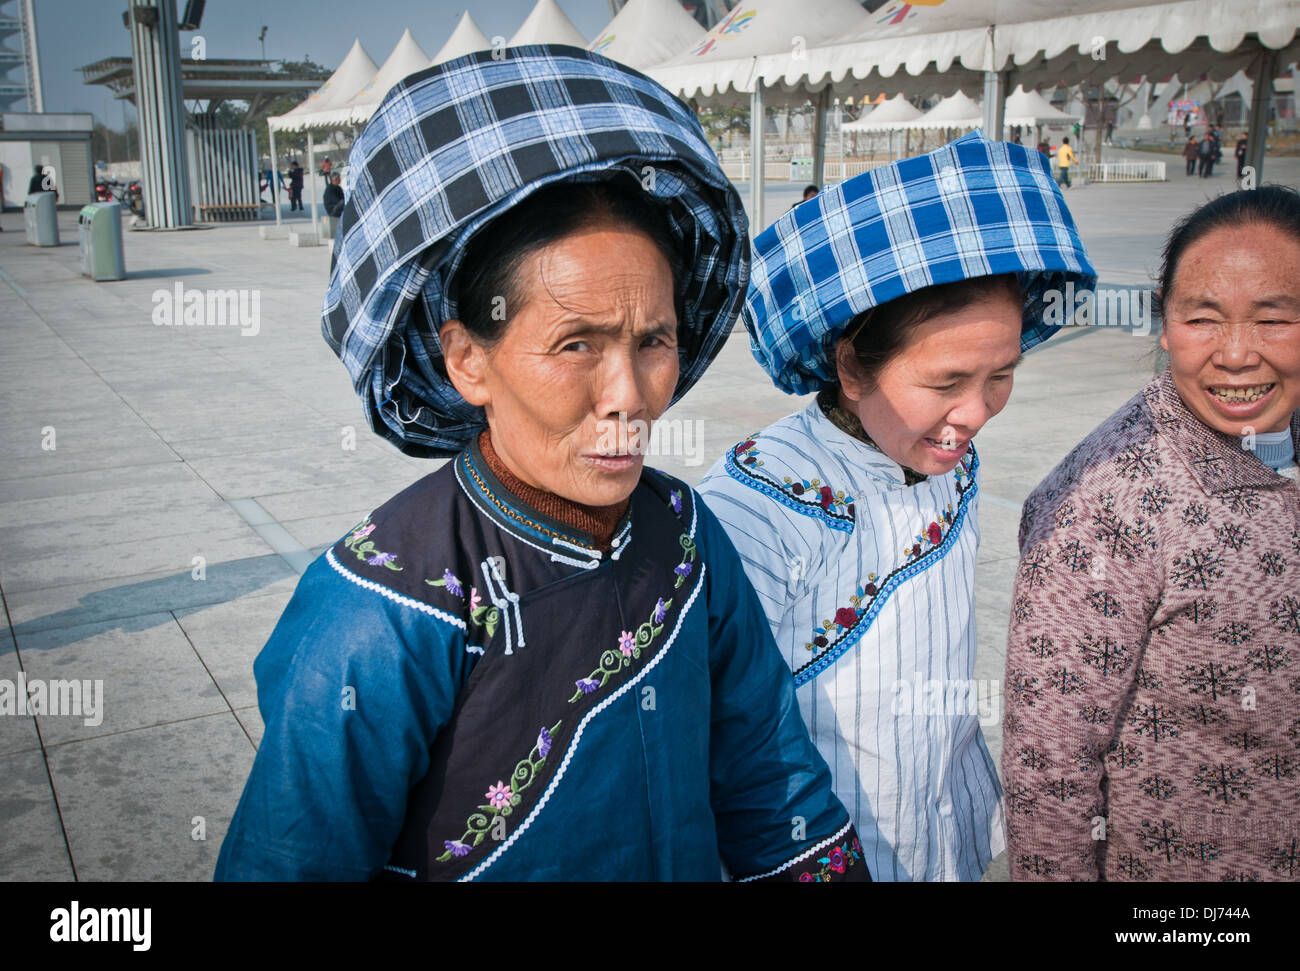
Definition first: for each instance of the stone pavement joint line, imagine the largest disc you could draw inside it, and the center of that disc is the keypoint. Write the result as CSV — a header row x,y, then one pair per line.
x,y
276,536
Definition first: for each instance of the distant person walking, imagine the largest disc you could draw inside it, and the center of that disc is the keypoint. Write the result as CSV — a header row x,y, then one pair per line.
x,y
1242,142
1190,152
1065,157
333,198
295,186
1206,150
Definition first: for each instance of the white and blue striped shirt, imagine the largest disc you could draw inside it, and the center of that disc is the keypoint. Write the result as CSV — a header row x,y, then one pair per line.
x,y
869,587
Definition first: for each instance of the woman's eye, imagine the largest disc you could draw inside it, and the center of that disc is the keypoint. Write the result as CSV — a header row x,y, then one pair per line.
x,y
944,387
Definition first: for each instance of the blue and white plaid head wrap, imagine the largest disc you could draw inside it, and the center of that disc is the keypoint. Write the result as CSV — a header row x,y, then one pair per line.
x,y
973,208
455,146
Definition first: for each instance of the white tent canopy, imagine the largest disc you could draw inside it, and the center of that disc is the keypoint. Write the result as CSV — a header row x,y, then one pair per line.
x,y
722,63
465,39
547,24
955,111
893,115
351,76
647,32
1030,109
942,46
406,58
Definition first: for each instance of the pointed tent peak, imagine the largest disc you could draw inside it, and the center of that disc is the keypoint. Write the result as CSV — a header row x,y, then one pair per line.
x,y
759,27
348,78
958,110
465,39
547,24
407,57
1031,108
648,32
896,112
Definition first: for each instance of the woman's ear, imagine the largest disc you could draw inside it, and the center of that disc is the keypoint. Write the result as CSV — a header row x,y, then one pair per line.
x,y
1164,324
466,362
852,382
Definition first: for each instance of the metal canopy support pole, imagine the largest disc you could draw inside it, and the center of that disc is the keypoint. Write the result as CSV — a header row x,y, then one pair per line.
x,y
820,105
1261,73
275,176
995,103
311,168
757,159
156,65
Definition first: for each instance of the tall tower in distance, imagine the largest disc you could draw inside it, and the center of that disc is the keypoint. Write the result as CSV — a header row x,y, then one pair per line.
x,y
18,21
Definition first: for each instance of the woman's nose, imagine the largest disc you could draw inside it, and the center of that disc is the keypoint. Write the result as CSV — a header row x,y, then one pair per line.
x,y
1235,350
620,390
971,413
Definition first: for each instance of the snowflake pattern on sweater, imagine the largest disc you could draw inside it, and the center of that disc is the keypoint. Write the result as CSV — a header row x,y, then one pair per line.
x,y
1152,725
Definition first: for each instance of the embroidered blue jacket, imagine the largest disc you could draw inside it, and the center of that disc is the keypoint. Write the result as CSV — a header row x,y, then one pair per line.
x,y
462,688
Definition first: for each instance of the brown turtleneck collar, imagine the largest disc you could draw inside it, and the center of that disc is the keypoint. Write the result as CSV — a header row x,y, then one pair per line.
x,y
599,521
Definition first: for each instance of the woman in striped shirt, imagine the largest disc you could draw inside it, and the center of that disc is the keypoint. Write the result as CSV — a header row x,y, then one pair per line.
x,y
904,298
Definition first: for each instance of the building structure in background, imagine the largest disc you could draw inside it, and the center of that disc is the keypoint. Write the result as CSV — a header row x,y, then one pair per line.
x,y
58,144
18,23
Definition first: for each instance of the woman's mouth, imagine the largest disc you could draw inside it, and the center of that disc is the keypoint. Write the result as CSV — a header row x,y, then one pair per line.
x,y
1240,401
614,463
947,448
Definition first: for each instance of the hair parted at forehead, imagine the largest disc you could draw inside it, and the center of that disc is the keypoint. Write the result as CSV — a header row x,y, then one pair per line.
x,y
892,323
1270,205
490,268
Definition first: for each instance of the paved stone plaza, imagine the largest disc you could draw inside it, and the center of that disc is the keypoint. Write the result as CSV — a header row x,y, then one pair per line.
x,y
163,487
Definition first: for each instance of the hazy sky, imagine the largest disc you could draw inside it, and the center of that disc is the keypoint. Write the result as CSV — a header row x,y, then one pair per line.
x,y
73,33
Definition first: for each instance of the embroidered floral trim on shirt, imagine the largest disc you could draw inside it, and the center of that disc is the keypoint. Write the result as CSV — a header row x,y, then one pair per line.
x,y
837,860
838,634
359,543
502,798
812,497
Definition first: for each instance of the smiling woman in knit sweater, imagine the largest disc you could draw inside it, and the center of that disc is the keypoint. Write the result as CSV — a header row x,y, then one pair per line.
x,y
1152,719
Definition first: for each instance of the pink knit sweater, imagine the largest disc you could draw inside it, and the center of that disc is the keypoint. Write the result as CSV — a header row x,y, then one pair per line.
x,y
1152,720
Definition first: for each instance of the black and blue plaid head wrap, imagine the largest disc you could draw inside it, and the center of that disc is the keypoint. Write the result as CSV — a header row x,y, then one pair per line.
x,y
455,146
974,207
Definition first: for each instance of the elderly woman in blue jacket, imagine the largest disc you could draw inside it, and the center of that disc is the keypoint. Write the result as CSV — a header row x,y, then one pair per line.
x,y
543,660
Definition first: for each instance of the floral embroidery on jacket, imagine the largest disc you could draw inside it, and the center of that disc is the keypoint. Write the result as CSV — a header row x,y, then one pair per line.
x,y
502,798
840,858
358,542
505,795
480,614
630,644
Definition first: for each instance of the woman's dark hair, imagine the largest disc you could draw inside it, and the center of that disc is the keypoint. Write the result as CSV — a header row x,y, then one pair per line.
x,y
881,332
489,267
1271,205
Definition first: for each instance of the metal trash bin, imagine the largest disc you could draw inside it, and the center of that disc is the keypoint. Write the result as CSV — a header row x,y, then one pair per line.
x,y
41,219
99,234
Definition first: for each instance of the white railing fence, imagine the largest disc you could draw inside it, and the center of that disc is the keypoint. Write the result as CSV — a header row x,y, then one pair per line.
x,y
1119,171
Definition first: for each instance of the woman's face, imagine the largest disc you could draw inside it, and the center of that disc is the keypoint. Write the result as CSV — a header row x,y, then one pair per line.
x,y
953,375
1232,329
584,366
